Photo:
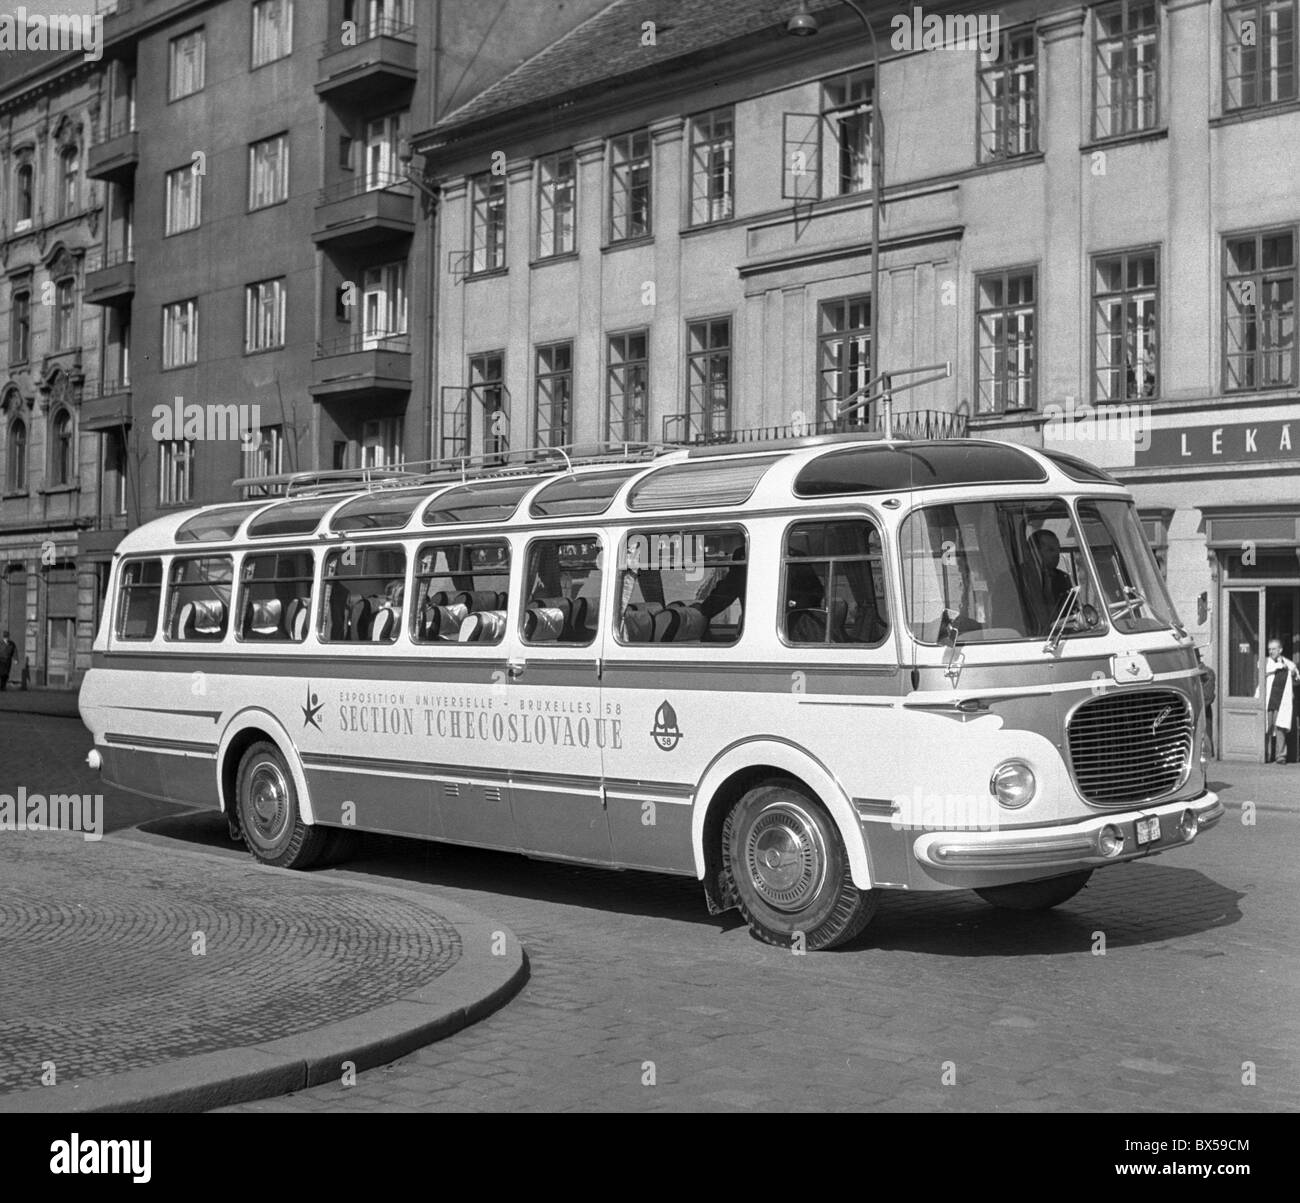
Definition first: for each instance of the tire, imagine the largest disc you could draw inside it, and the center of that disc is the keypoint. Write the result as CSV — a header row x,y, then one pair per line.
x,y
267,804
1036,895
790,872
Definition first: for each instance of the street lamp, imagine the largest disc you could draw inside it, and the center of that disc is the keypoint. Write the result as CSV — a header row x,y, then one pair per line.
x,y
803,25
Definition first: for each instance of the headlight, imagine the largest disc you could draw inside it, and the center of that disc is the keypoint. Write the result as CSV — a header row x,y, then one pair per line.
x,y
1013,784
1110,840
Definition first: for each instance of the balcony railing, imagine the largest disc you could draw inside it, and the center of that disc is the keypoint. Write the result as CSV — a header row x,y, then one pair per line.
x,y
378,27
349,344
100,259
119,127
380,182
688,428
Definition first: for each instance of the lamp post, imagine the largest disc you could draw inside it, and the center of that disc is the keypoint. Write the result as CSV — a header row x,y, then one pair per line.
x,y
803,24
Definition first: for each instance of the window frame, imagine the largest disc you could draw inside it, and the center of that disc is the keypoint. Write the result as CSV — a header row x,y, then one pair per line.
x,y
122,595
624,366
322,615
709,353
193,207
191,337
417,577
834,116
70,181
736,526
254,301
1123,256
703,173
1005,275
549,379
489,203
283,33
846,337
549,201
524,603
1007,104
63,455
171,460
1256,275
1226,28
17,451
624,172
886,593
200,36
1126,41
258,172
171,586
239,595
20,322
65,314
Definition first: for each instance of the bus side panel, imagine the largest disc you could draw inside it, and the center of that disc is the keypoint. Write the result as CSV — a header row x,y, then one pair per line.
x,y
170,776
343,796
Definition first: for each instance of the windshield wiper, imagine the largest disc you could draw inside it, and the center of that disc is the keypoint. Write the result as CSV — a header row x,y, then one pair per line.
x,y
1056,632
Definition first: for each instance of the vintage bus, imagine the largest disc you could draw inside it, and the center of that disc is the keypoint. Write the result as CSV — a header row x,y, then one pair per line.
x,y
803,672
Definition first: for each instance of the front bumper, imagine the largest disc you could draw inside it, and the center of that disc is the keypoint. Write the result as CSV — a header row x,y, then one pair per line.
x,y
1066,846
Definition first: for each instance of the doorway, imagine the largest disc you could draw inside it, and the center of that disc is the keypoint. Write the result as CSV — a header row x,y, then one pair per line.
x,y
1253,616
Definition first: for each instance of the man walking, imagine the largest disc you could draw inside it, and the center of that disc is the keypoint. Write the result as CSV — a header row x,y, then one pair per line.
x,y
7,652
1280,675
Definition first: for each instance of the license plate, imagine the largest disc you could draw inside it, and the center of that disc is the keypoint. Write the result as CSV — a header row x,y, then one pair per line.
x,y
1148,830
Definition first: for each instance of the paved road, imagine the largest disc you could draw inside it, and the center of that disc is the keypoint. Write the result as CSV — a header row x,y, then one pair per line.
x,y
639,1000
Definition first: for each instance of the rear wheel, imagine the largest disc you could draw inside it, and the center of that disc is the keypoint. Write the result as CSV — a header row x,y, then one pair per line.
x,y
1036,895
269,820
790,872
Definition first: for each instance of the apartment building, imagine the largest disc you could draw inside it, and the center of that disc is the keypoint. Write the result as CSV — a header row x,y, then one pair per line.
x,y
661,228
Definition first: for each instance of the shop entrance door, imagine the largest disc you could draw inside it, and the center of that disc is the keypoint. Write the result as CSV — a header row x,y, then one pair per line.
x,y
1282,622
1241,694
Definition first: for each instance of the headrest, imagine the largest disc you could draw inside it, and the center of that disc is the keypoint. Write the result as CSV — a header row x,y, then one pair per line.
x,y
488,626
692,623
264,616
359,619
544,624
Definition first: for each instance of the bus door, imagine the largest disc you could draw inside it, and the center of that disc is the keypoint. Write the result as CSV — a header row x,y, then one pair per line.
x,y
551,734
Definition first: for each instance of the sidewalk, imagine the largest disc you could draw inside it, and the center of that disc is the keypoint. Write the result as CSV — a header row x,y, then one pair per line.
x,y
61,703
1268,786
143,979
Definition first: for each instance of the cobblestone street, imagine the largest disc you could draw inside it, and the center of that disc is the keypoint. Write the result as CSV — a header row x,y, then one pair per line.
x,y
639,1000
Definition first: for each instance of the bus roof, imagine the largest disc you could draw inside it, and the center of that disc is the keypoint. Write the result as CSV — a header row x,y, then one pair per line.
x,y
636,486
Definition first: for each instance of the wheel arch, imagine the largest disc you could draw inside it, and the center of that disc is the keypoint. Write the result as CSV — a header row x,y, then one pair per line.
x,y
738,769
245,729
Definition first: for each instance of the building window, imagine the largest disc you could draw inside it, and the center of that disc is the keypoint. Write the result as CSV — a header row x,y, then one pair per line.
x,y
1008,98
627,387
383,145
1006,330
16,465
713,152
20,332
381,443
180,334
115,471
184,199
268,172
175,472
557,191
390,18
1126,79
186,57
62,449
487,392
553,410
383,303
708,377
24,196
69,167
846,114
264,315
1259,53
1125,303
487,223
1259,343
272,30
629,186
266,456
843,354
65,314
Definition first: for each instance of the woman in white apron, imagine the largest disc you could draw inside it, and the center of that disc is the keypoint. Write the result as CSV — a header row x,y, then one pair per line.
x,y
1280,675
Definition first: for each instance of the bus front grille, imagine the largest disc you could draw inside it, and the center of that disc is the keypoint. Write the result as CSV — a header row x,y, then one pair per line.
x,y
1128,748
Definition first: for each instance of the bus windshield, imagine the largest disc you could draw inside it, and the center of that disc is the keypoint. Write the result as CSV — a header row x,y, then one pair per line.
x,y
997,571
1133,591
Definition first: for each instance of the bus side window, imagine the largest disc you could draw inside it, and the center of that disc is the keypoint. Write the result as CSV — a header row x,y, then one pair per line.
x,y
364,588
275,596
198,602
461,592
562,580
139,595
833,587
682,586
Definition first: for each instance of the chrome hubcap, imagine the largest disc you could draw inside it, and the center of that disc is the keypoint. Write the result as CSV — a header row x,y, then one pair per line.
x,y
786,857
268,797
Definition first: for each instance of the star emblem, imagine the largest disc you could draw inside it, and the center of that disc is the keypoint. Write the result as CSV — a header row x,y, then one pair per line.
x,y
312,709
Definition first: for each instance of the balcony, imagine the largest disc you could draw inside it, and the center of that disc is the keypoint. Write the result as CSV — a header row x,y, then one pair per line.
x,y
381,65
687,430
364,212
110,276
115,155
106,405
360,366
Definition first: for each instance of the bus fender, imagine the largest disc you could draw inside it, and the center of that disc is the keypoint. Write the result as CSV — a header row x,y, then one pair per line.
x,y
788,758
261,720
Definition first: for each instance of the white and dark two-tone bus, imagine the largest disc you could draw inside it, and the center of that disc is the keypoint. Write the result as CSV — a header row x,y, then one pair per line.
x,y
803,672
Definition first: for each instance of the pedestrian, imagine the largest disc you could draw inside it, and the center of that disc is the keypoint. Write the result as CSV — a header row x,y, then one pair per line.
x,y
7,652
1209,689
1280,675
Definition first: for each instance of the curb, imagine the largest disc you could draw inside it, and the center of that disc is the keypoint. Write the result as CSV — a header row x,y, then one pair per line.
x,y
478,984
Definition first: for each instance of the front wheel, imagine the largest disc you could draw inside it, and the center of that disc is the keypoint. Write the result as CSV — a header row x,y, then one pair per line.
x,y
790,870
1036,895
269,820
